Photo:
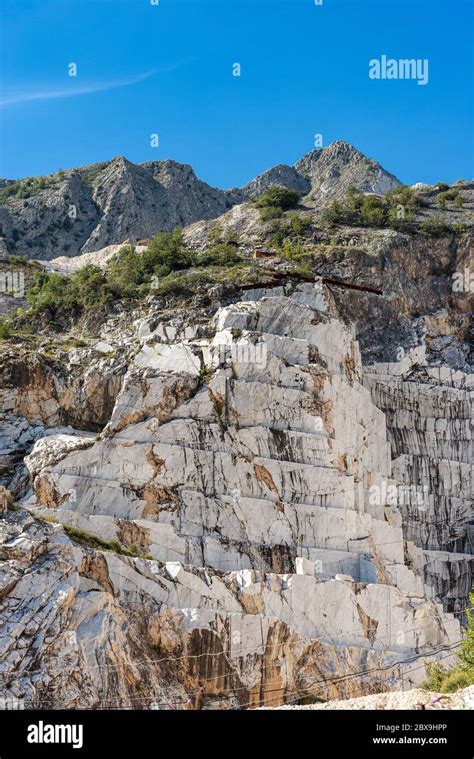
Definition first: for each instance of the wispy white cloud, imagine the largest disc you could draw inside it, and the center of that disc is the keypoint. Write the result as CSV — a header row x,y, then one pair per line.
x,y
75,89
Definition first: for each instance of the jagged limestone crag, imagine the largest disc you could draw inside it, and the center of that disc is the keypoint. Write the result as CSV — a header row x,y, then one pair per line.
x,y
327,173
94,206
248,467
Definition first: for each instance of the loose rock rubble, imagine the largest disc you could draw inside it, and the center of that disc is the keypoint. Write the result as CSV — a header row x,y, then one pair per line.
x,y
418,699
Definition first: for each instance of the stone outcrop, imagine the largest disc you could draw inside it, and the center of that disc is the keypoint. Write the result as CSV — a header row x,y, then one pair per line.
x,y
233,526
43,389
429,419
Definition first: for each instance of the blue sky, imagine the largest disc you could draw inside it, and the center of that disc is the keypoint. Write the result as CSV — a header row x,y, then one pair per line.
x,y
167,69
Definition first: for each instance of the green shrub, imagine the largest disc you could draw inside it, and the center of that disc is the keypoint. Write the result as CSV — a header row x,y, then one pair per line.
x,y
89,287
270,212
23,188
17,260
10,190
402,194
447,195
436,226
215,235
167,251
373,212
308,700
126,272
466,654
128,275
278,197
63,298
358,210
220,254
49,293
292,228
436,675
5,329
293,251
333,214
405,200
456,680
299,223
395,209
450,194
445,680
183,283
442,186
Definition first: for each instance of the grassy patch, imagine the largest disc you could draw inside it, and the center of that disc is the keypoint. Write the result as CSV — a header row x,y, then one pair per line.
x,y
24,188
449,196
88,540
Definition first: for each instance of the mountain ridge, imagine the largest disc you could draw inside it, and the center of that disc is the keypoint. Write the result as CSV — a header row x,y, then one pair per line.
x,y
87,208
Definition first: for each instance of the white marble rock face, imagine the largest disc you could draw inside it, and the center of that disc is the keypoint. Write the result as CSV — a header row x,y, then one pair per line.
x,y
252,473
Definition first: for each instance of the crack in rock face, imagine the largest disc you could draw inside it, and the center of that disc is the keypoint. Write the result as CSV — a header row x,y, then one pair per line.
x,y
244,523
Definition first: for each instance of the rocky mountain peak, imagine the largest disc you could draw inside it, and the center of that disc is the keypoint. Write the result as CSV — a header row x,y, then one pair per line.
x,y
333,170
327,173
336,150
169,172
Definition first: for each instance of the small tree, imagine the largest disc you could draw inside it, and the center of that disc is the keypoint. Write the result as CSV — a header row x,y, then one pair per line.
x,y
89,287
167,252
125,272
373,211
5,329
334,214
